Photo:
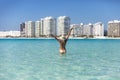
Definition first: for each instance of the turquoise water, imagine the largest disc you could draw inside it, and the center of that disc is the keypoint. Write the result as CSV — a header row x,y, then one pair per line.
x,y
39,59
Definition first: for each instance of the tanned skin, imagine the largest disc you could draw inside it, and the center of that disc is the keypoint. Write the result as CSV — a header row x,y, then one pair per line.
x,y
63,42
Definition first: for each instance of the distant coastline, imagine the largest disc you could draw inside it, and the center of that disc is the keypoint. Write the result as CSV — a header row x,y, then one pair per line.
x,y
53,38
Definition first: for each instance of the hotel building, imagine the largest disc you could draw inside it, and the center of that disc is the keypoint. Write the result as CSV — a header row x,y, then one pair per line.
x,y
98,29
114,28
9,33
76,30
49,26
37,28
63,25
30,29
22,29
81,29
87,29
41,26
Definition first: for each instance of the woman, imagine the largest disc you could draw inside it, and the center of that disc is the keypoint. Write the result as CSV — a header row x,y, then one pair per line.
x,y
62,41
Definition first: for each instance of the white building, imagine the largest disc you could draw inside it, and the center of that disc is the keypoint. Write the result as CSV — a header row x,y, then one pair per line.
x,y
41,26
81,29
76,30
88,29
49,26
98,29
9,33
63,25
30,29
37,28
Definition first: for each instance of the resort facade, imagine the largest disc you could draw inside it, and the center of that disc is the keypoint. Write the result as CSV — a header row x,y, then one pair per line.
x,y
63,25
60,26
114,28
88,30
9,34
30,29
47,26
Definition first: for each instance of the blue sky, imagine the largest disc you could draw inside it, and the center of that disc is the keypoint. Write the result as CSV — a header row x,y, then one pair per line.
x,y
14,12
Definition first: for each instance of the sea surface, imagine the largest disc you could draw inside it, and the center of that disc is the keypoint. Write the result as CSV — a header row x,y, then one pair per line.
x,y
39,59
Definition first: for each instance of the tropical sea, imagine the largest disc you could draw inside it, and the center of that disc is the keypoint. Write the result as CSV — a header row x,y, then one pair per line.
x,y
39,59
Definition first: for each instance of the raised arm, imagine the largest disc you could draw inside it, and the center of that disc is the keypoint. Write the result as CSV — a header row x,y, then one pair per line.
x,y
69,33
55,37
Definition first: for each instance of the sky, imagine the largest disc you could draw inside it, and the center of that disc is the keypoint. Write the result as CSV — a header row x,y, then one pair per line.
x,y
14,12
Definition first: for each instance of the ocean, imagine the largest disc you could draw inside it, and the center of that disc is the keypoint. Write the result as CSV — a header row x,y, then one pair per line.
x,y
39,59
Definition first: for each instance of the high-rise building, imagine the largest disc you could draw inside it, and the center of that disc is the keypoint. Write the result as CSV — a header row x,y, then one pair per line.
x,y
98,29
63,25
114,28
81,29
88,29
49,26
37,28
22,29
26,29
76,30
30,29
41,27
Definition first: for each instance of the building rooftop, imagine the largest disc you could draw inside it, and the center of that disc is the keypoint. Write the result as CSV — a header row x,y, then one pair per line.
x,y
50,17
63,17
114,21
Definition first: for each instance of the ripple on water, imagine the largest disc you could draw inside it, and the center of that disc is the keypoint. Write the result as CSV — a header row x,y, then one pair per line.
x,y
40,60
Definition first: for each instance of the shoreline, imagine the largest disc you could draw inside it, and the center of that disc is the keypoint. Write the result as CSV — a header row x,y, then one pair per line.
x,y
69,38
